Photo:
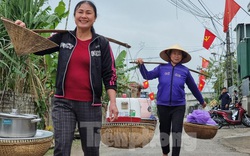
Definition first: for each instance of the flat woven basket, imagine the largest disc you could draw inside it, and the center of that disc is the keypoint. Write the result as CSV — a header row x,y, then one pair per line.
x,y
200,131
127,135
24,40
26,147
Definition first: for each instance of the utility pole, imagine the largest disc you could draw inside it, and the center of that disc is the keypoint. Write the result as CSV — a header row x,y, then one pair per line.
x,y
229,79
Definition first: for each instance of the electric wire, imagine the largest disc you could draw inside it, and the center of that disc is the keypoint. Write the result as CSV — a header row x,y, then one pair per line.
x,y
212,20
188,8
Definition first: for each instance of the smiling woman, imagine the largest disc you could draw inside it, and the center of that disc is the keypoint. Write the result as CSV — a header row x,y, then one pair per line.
x,y
85,65
171,100
85,16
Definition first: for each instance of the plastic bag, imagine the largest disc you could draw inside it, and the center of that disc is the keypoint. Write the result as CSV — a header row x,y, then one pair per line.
x,y
200,117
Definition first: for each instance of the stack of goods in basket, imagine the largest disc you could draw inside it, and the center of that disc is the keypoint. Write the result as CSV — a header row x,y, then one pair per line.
x,y
200,125
129,110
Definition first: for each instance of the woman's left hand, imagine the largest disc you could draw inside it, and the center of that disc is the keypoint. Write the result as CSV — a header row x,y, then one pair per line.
x,y
204,105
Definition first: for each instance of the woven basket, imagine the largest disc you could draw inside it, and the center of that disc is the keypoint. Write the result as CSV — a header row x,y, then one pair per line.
x,y
24,40
127,135
151,121
26,147
200,131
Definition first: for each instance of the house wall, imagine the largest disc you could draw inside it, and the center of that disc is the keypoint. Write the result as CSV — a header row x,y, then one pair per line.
x,y
23,102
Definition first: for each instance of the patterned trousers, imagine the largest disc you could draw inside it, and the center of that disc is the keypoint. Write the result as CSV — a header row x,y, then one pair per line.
x,y
65,115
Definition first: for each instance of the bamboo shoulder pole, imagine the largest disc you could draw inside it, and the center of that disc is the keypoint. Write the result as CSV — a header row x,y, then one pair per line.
x,y
61,31
166,63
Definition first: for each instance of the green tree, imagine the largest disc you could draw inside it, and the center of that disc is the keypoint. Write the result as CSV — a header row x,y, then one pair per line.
x,y
216,71
29,74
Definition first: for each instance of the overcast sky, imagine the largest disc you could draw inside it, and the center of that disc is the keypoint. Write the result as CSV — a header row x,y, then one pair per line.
x,y
152,26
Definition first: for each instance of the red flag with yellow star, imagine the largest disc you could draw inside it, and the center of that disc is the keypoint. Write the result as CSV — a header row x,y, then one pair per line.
x,y
208,39
201,82
205,63
151,95
145,84
231,8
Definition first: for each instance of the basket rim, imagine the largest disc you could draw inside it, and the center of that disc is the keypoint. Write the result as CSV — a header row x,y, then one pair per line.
x,y
118,124
200,125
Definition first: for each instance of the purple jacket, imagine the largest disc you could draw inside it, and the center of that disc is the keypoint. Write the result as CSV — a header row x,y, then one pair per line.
x,y
171,87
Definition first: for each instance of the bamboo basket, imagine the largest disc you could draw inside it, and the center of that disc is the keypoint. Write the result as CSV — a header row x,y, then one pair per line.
x,y
127,135
151,121
24,40
200,131
25,147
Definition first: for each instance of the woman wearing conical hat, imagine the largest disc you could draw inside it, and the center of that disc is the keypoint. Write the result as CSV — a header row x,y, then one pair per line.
x,y
171,102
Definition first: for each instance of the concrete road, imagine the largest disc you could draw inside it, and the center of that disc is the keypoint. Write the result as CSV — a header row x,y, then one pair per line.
x,y
229,141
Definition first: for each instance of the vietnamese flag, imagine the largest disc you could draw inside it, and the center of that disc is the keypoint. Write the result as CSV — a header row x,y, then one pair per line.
x,y
205,63
231,8
151,96
208,39
201,82
145,84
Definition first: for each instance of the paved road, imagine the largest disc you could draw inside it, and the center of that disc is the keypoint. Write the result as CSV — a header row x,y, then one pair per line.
x,y
227,142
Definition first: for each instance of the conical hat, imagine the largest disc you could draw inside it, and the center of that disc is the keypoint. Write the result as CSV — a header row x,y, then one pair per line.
x,y
24,40
166,56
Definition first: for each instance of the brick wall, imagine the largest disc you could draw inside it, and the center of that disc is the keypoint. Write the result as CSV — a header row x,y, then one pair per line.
x,y
23,102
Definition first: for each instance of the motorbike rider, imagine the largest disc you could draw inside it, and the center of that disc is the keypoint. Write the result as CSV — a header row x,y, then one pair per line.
x,y
225,99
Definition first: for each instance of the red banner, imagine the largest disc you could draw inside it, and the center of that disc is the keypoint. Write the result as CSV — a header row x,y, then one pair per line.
x,y
151,96
208,39
205,63
231,8
201,82
145,84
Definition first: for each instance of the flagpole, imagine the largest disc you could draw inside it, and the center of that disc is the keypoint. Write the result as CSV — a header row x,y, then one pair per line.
x,y
166,63
201,56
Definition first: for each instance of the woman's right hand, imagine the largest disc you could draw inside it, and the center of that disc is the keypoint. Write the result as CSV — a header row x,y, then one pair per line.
x,y
139,61
20,23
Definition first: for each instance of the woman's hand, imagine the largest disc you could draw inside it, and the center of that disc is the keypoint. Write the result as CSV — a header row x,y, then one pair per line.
x,y
204,105
113,112
20,23
139,61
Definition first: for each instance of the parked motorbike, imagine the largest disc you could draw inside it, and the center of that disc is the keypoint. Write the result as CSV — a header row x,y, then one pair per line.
x,y
237,115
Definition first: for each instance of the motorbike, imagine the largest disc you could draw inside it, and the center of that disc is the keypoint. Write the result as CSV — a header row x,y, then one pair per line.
x,y
237,115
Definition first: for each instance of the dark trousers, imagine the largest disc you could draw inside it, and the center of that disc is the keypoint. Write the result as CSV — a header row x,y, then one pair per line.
x,y
171,121
65,115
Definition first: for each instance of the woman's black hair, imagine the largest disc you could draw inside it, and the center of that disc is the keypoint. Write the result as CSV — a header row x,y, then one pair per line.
x,y
90,3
